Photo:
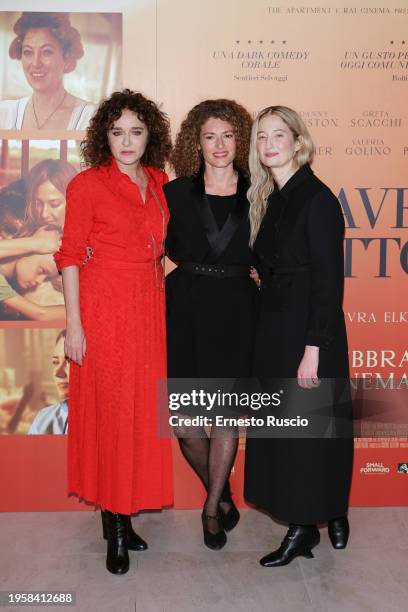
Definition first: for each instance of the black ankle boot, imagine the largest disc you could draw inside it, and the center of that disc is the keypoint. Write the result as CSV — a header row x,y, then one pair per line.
x,y
117,559
298,542
215,541
339,531
231,517
134,541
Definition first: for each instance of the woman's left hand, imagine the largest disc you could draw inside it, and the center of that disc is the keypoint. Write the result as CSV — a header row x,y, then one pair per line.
x,y
253,273
307,370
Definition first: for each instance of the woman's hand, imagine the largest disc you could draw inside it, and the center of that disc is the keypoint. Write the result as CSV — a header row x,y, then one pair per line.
x,y
253,273
307,370
75,343
46,241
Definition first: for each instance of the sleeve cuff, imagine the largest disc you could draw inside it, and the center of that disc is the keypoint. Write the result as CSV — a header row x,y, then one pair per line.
x,y
322,341
62,261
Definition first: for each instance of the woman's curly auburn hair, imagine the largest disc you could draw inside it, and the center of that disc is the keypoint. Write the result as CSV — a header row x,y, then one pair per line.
x,y
59,26
95,148
187,159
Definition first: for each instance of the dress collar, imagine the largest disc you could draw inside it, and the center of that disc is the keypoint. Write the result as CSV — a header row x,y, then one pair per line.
x,y
295,180
116,174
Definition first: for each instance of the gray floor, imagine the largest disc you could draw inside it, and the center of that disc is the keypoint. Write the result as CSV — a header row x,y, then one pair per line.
x,y
178,574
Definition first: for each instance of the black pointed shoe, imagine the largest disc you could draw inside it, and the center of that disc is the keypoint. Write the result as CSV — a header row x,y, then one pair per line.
x,y
339,531
298,542
117,559
134,541
231,517
215,541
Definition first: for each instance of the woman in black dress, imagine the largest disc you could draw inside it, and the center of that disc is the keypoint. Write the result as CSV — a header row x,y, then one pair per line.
x,y
210,295
297,232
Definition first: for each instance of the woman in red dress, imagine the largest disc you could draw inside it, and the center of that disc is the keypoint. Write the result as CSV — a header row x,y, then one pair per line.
x,y
110,257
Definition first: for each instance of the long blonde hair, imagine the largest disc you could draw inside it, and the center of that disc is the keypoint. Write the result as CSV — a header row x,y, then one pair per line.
x,y
261,178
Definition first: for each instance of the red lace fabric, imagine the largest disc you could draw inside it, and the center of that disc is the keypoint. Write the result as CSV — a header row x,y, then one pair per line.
x,y
115,458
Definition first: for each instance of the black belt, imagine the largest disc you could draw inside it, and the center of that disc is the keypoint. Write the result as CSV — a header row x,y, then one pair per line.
x,y
217,270
288,270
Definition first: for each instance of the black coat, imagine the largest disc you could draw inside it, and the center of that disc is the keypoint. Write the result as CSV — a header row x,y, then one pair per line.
x,y
300,259
210,321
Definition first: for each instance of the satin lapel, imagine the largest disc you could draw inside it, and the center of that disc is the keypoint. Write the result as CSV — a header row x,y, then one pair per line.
x,y
206,217
233,221
218,240
205,222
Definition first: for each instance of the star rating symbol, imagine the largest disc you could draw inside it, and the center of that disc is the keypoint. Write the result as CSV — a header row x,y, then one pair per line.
x,y
272,42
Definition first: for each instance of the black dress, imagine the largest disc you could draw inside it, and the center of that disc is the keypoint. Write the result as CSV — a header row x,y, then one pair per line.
x,y
300,259
210,319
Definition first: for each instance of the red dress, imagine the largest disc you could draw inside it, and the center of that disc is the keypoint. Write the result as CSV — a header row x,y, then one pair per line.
x,y
115,457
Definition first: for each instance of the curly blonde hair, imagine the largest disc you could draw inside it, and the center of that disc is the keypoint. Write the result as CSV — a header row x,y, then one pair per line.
x,y
186,157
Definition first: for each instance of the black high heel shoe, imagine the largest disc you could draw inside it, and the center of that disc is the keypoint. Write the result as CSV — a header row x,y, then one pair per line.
x,y
117,559
339,531
298,542
215,541
134,541
230,517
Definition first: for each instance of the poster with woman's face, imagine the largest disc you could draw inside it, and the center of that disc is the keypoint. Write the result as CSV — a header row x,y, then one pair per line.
x,y
33,187
34,377
57,67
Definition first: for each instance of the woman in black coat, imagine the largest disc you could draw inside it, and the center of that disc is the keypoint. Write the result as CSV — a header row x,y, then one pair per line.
x,y
297,232
210,295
